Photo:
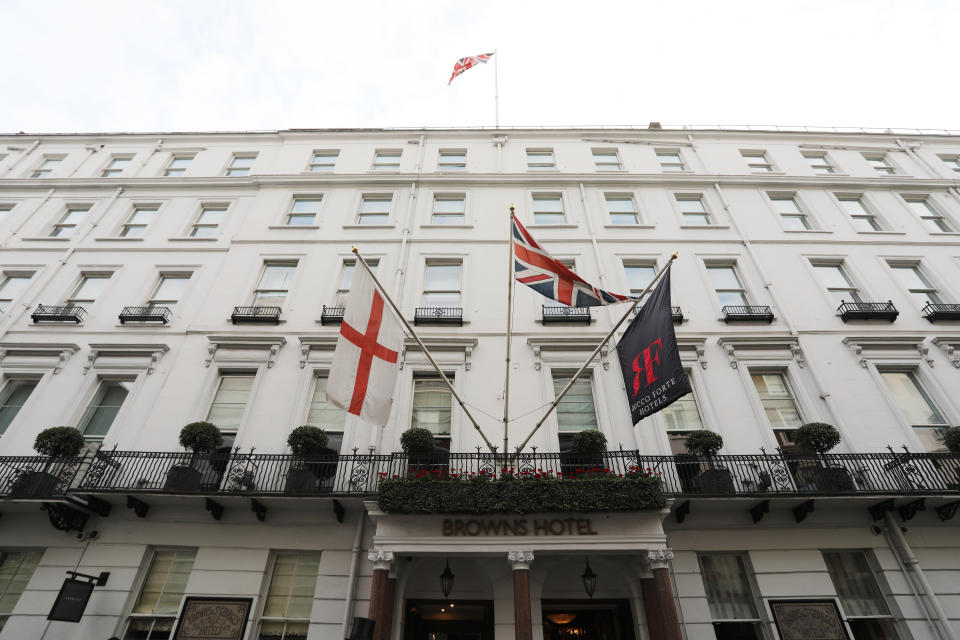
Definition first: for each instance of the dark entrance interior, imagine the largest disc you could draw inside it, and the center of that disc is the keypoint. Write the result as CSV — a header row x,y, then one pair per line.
x,y
587,620
448,620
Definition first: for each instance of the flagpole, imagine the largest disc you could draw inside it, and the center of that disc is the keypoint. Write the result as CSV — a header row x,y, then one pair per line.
x,y
496,90
506,378
406,324
583,368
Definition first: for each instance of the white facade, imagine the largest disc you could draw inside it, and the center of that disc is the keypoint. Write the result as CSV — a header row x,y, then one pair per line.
x,y
803,219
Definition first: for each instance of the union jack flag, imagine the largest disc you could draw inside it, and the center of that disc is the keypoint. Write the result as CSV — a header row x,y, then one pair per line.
x,y
467,63
540,271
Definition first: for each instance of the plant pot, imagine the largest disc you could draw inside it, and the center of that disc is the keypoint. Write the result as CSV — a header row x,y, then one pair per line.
x,y
182,477
301,480
833,479
570,461
688,468
715,481
34,483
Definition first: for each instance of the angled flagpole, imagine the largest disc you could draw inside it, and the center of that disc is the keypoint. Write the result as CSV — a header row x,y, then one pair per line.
x,y
506,378
593,355
406,324
496,101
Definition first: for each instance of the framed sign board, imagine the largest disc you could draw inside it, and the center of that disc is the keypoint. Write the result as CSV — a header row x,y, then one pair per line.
x,y
808,620
71,601
213,619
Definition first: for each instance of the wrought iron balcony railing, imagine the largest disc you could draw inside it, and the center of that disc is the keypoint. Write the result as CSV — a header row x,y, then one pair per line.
x,y
868,311
438,315
675,312
255,315
871,474
747,313
58,313
148,313
935,312
566,314
331,315
36,476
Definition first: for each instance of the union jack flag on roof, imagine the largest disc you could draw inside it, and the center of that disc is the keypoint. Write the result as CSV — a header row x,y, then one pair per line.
x,y
540,271
469,62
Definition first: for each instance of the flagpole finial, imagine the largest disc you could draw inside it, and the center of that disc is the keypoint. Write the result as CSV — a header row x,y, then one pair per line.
x,y
674,256
513,209
357,251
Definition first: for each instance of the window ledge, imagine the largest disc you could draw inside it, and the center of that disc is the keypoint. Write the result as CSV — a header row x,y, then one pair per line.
x,y
543,170
42,238
293,226
144,325
314,173
933,233
447,226
704,226
676,170
806,231
767,173
118,239
629,226
610,170
192,239
229,321
369,226
565,225
882,233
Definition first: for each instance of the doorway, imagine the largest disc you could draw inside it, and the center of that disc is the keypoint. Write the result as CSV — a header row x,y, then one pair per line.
x,y
448,620
587,620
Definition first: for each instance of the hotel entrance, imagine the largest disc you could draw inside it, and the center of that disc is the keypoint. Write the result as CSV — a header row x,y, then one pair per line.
x,y
448,620
587,620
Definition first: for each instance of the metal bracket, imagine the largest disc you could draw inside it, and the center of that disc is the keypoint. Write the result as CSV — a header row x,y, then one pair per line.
x,y
877,510
65,518
947,511
99,580
214,508
907,511
258,508
681,512
801,510
98,506
338,510
757,510
139,506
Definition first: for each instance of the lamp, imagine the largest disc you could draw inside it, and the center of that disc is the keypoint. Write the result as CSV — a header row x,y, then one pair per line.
x,y
446,580
561,618
589,580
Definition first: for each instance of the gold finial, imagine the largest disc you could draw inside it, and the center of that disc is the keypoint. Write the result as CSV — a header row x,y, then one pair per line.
x,y
512,209
674,256
355,250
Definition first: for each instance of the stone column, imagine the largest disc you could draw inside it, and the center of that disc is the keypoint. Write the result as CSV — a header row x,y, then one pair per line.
x,y
523,623
381,602
659,605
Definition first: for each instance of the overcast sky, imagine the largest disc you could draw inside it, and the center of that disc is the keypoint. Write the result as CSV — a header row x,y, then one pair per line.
x,y
71,66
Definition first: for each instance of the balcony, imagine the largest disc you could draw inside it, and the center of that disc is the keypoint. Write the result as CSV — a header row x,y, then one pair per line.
x,y
747,313
675,312
941,312
438,315
35,477
566,314
331,315
58,313
148,313
255,315
868,311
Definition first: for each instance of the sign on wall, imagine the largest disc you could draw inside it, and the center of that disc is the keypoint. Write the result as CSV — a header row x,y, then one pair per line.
x,y
213,619
808,620
71,601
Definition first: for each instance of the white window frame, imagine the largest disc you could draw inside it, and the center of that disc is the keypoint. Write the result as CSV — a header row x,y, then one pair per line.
x,y
5,277
952,160
305,197
61,219
558,195
539,161
445,164
681,165
732,262
258,289
381,163
444,196
858,293
760,621
677,196
442,262
440,438
868,206
4,617
606,166
936,212
566,372
340,293
231,434
197,224
142,576
40,170
916,264
758,161
154,301
242,170
621,195
128,221
387,196
323,167
268,579
929,386
636,262
773,196
170,171
11,381
96,397
316,374
826,162
110,171
883,166
87,303
6,209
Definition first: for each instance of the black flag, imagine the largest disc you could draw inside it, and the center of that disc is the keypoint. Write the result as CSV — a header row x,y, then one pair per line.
x,y
649,359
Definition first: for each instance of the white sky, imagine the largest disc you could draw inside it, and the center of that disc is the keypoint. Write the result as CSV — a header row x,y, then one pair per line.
x,y
90,65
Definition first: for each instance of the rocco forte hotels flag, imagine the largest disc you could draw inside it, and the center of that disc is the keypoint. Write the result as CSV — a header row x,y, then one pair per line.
x,y
365,365
649,358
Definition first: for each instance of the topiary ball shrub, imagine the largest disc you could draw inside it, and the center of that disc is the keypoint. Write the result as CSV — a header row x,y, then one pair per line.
x,y
200,436
417,440
704,443
951,439
589,441
816,436
307,441
59,442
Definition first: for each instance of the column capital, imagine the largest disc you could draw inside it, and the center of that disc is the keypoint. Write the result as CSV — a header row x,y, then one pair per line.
x,y
659,558
382,560
520,559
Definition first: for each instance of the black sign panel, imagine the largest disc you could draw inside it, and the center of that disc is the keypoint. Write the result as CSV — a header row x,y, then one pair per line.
x,y
71,601
649,359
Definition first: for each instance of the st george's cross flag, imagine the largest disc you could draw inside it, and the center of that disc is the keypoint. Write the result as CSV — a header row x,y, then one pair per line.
x,y
649,358
467,63
540,271
365,366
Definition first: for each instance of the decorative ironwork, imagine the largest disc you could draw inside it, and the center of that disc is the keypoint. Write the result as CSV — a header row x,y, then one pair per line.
x,y
676,313
747,313
937,312
907,511
331,315
149,313
215,508
868,311
438,315
255,315
552,313
877,510
65,518
139,506
801,511
58,313
947,511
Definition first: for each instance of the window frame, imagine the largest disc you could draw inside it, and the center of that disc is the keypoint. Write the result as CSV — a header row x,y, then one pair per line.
x,y
937,212
153,301
676,197
621,195
386,167
928,389
952,160
682,165
917,265
883,590
810,223
696,396
750,579
448,197
338,434
170,171
323,167
867,204
94,400
885,166
731,263
764,157
128,223
197,224
842,265
86,275
375,196
606,167
11,383
61,220
109,171
142,575
231,433
590,376
291,205
540,165
827,163
442,262
446,165
259,289
233,170
340,293
548,195
268,576
794,394
440,439
5,276
41,171
4,617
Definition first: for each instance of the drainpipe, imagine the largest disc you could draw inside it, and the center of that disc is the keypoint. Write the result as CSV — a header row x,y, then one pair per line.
x,y
352,579
901,548
23,156
924,607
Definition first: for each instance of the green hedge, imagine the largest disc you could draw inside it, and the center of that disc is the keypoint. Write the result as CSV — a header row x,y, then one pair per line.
x,y
527,495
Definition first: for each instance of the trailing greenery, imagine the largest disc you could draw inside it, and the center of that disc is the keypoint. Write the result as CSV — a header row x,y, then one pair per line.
x,y
307,441
819,437
704,442
589,441
200,436
417,440
59,442
951,438
425,492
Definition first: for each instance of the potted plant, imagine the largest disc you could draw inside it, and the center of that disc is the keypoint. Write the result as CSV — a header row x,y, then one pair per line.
x,y
688,468
422,451
57,444
706,444
308,443
819,438
586,452
199,438
951,439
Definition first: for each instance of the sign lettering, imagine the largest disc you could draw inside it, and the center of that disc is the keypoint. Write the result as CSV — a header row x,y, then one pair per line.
x,y
453,527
